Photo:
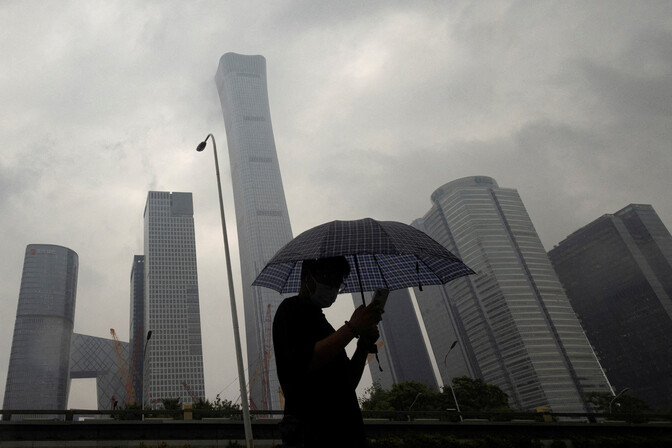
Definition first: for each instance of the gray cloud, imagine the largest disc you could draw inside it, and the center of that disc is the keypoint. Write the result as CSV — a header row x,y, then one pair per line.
x,y
374,105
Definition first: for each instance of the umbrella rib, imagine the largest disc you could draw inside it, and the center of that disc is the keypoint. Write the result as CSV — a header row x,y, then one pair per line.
x,y
359,279
417,272
375,258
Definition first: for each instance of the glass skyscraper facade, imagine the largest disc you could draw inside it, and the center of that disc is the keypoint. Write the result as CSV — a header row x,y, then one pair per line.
x,y
174,357
617,272
513,322
261,210
38,373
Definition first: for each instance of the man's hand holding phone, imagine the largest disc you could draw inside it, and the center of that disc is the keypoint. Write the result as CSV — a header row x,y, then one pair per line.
x,y
378,301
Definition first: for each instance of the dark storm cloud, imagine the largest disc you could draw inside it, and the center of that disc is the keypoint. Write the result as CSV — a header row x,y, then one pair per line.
x,y
639,97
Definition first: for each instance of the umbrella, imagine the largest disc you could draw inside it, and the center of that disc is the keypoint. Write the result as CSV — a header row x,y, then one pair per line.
x,y
382,254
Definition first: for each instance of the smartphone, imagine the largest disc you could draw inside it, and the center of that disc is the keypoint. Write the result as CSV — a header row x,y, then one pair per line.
x,y
379,299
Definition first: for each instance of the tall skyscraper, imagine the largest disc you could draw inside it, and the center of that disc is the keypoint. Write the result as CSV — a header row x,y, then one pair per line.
x,y
403,352
261,210
513,322
137,333
174,357
38,373
617,272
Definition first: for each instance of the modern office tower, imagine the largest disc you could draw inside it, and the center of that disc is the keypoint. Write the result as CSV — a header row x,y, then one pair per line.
x,y
174,356
403,353
617,272
37,377
137,333
93,357
512,319
261,210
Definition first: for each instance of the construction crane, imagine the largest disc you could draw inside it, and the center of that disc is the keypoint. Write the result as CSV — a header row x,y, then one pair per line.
x,y
128,382
282,398
262,369
194,398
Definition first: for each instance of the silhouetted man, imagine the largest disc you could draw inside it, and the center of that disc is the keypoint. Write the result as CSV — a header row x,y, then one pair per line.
x,y
317,377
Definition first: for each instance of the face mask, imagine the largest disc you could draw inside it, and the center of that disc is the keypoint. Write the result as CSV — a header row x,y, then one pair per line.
x,y
324,296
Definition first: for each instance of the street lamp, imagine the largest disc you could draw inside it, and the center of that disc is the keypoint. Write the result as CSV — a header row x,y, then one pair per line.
x,y
144,365
450,383
232,297
618,395
452,346
149,336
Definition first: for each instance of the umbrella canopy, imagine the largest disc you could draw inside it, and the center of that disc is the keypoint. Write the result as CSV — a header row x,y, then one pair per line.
x,y
382,254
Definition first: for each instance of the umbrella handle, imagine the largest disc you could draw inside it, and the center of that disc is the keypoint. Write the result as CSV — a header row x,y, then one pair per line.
x,y
361,290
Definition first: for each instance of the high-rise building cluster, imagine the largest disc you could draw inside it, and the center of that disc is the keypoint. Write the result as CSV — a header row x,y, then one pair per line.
x,y
513,324
46,354
592,315
164,304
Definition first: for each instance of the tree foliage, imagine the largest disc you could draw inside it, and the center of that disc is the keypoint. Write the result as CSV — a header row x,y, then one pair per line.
x,y
624,404
472,395
401,397
375,399
477,395
217,408
171,404
133,411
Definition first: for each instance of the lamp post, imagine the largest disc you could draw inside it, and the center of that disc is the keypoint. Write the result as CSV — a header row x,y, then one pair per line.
x,y
616,397
232,297
144,364
411,406
450,383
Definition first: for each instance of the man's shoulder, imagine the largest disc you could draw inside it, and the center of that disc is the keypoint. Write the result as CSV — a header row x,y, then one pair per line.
x,y
289,305
293,307
291,314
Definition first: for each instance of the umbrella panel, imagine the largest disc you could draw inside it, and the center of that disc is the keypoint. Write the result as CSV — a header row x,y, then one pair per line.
x,y
390,271
364,236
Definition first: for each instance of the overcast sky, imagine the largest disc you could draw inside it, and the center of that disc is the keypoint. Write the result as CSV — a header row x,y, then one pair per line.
x,y
374,106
